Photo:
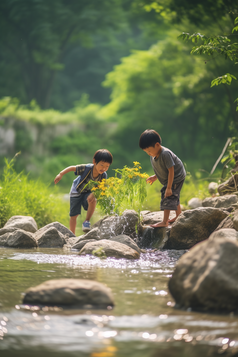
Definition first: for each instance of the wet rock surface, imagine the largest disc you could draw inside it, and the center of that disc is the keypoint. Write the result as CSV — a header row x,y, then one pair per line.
x,y
205,278
50,238
19,239
109,248
194,226
220,201
70,292
26,223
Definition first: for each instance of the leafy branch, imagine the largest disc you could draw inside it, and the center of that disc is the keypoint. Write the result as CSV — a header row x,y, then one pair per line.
x,y
215,45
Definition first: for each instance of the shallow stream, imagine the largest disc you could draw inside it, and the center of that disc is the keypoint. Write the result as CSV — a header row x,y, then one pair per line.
x,y
144,321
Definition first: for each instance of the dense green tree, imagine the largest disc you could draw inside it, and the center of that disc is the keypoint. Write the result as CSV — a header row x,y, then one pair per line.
x,y
167,89
35,35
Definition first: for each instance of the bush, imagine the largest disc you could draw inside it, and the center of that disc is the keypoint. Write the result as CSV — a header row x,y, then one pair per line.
x,y
21,196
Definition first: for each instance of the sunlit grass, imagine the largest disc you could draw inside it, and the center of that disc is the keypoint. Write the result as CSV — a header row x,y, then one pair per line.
x,y
21,196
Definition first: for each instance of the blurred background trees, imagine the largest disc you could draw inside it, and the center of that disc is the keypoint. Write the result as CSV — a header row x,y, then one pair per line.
x,y
104,71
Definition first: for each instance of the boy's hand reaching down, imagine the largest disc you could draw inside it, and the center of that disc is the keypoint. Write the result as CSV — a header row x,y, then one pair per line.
x,y
151,179
168,192
58,178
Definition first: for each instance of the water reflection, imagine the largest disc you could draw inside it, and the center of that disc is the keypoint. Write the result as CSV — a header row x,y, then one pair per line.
x,y
143,323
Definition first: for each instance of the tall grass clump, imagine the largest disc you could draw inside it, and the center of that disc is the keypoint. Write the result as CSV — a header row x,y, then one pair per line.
x,y
21,196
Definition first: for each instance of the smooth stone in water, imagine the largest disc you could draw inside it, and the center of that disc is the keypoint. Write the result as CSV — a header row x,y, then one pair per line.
x,y
70,292
205,278
110,249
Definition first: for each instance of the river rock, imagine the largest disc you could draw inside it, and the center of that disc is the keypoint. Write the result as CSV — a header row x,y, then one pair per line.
x,y
153,237
60,227
80,244
9,229
194,203
194,226
225,233
19,239
113,226
205,278
149,217
50,238
220,201
26,223
228,187
110,249
212,187
226,223
235,219
70,292
124,239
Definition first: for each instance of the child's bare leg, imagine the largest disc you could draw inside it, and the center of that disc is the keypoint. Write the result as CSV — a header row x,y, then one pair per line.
x,y
72,223
165,222
178,211
91,206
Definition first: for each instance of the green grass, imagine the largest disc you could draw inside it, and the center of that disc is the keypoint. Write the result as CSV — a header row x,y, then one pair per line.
x,y
21,196
192,187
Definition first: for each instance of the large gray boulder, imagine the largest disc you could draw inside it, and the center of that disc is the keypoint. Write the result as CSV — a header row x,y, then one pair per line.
x,y
194,226
110,248
206,277
60,228
50,238
18,239
220,201
148,217
235,219
81,243
153,237
26,223
71,293
92,235
226,223
113,226
124,239
9,229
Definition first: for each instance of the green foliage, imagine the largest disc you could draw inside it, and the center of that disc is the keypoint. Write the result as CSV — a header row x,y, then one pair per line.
x,y
21,196
218,46
226,79
99,253
230,159
124,191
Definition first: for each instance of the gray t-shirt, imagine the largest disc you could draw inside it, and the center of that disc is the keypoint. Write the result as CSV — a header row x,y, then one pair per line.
x,y
166,160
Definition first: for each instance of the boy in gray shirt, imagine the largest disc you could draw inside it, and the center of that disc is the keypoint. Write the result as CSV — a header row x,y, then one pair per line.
x,y
169,170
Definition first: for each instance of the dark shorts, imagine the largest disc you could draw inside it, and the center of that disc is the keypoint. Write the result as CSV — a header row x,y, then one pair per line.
x,y
77,202
171,203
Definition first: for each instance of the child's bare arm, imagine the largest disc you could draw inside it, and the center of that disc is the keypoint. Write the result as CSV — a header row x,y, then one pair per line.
x,y
63,172
151,179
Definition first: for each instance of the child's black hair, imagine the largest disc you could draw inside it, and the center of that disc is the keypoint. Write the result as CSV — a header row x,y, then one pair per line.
x,y
103,155
149,138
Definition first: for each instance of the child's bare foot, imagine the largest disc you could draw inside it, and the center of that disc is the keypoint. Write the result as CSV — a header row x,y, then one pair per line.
x,y
160,224
172,220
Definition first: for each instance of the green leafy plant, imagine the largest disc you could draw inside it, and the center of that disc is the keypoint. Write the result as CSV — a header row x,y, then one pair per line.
x,y
127,189
99,252
216,45
230,159
21,196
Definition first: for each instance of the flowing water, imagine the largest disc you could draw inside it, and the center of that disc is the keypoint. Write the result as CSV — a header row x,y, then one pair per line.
x,y
144,321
